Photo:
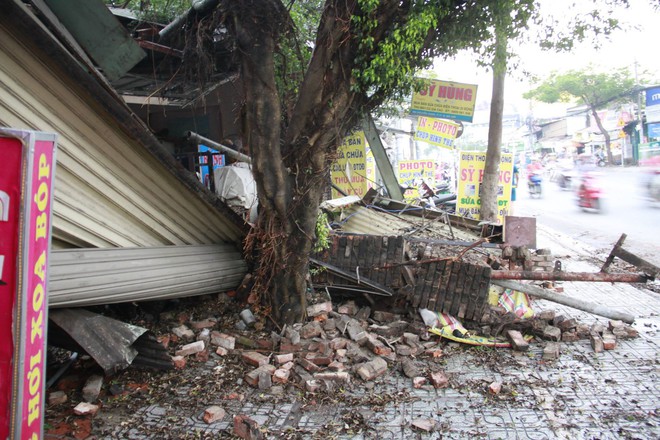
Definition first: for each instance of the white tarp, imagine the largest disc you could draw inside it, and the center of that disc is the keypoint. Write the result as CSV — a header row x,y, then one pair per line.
x,y
236,186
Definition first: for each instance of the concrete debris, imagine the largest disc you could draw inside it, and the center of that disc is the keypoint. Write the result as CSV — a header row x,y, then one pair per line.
x,y
333,349
424,424
92,388
57,398
86,409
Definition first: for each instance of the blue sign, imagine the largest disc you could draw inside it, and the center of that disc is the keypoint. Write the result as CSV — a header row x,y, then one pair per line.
x,y
218,161
653,96
653,130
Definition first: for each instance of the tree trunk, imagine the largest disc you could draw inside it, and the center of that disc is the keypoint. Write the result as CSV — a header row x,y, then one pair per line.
x,y
606,135
291,163
490,183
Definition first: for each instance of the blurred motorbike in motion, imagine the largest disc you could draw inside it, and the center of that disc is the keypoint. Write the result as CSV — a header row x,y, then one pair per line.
x,y
590,193
534,184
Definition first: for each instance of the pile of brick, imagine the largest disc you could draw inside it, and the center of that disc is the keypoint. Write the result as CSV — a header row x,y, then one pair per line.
x,y
547,325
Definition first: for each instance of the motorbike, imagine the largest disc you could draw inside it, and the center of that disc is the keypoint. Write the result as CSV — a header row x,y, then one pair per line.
x,y
534,184
590,193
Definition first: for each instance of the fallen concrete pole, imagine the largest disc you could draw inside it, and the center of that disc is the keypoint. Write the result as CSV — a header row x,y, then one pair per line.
x,y
568,276
579,304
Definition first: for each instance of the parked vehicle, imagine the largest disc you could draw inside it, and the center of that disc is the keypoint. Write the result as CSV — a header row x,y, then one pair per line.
x,y
590,193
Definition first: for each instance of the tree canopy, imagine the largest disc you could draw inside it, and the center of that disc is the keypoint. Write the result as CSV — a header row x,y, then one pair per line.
x,y
595,90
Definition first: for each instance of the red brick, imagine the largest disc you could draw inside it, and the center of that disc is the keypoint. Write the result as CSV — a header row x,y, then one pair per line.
x,y
418,382
517,341
206,323
281,375
439,379
246,428
179,362
320,308
283,358
372,369
254,358
495,388
213,414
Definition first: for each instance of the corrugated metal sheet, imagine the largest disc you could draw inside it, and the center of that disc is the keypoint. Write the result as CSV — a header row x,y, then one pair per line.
x,y
110,190
85,277
113,344
362,220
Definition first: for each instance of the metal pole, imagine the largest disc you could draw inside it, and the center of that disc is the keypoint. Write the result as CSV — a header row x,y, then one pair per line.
x,y
568,276
225,149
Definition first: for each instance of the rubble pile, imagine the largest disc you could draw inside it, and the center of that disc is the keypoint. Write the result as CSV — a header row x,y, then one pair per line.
x,y
338,347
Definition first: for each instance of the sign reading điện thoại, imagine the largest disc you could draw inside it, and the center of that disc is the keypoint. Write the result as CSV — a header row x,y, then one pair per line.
x,y
26,195
470,176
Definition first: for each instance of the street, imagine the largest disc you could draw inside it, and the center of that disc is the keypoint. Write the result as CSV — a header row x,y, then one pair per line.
x,y
625,210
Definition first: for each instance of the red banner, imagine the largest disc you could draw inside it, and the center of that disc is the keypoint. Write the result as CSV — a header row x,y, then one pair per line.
x,y
26,188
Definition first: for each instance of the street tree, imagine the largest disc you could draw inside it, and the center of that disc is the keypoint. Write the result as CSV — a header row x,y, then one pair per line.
x,y
592,89
310,71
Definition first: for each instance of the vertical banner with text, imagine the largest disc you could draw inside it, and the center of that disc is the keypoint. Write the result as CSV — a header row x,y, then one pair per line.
x,y
470,176
349,171
26,195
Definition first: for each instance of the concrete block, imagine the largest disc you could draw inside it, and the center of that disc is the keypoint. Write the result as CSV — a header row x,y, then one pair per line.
x,y
92,388
551,333
551,351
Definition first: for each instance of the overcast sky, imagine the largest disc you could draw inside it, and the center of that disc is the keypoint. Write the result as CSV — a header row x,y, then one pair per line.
x,y
637,43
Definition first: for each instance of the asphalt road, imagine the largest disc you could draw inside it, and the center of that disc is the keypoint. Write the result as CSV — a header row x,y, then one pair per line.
x,y
625,210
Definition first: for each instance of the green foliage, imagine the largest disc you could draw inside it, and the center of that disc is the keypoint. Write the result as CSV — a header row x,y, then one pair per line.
x,y
587,86
322,233
295,49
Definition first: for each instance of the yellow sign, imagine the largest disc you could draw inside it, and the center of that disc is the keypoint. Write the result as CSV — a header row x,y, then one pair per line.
x,y
444,99
412,172
436,132
470,176
350,170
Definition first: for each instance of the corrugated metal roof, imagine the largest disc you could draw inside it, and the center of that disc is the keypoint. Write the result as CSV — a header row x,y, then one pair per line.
x,y
375,221
115,185
85,277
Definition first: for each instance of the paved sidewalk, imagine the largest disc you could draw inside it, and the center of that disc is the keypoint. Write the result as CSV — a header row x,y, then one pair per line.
x,y
583,395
